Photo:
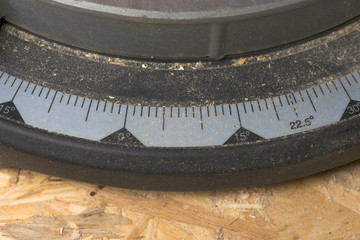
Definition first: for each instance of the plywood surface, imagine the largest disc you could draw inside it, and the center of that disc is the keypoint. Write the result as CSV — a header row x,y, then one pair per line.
x,y
36,206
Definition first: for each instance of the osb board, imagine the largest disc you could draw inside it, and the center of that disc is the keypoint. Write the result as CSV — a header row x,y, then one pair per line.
x,y
36,206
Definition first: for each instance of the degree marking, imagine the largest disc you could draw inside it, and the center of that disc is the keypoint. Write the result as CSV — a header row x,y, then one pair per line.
x,y
52,101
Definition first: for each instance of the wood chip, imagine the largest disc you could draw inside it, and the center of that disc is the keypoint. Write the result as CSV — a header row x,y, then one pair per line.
x,y
239,62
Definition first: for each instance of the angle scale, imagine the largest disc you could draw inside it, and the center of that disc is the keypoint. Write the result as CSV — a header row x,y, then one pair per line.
x,y
176,96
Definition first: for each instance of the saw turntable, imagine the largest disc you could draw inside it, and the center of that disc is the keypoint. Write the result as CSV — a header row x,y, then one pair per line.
x,y
179,95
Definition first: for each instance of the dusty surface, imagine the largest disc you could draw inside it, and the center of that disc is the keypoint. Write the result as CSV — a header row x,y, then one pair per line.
x,y
36,206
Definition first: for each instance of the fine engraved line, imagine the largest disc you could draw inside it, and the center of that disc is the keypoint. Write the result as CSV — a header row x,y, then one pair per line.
x,y
17,90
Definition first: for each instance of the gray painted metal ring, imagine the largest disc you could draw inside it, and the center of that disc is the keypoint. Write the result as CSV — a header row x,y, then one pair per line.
x,y
169,30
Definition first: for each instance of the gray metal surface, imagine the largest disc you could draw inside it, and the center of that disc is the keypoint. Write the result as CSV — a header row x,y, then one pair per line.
x,y
177,29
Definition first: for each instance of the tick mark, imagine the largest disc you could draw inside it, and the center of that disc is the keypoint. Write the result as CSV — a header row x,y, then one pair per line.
x,y
310,100
345,89
83,102
347,80
322,91
87,114
266,104
163,119
7,79
315,93
201,119
259,105
13,82
328,88
97,105
27,86
301,96
335,86
105,106
238,113
42,88
287,99
68,101
52,101
47,95
126,113
277,115
62,95
230,110
76,99
33,90
252,107
17,90
244,108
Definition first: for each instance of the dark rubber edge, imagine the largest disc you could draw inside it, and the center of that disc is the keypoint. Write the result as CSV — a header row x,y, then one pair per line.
x,y
182,168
